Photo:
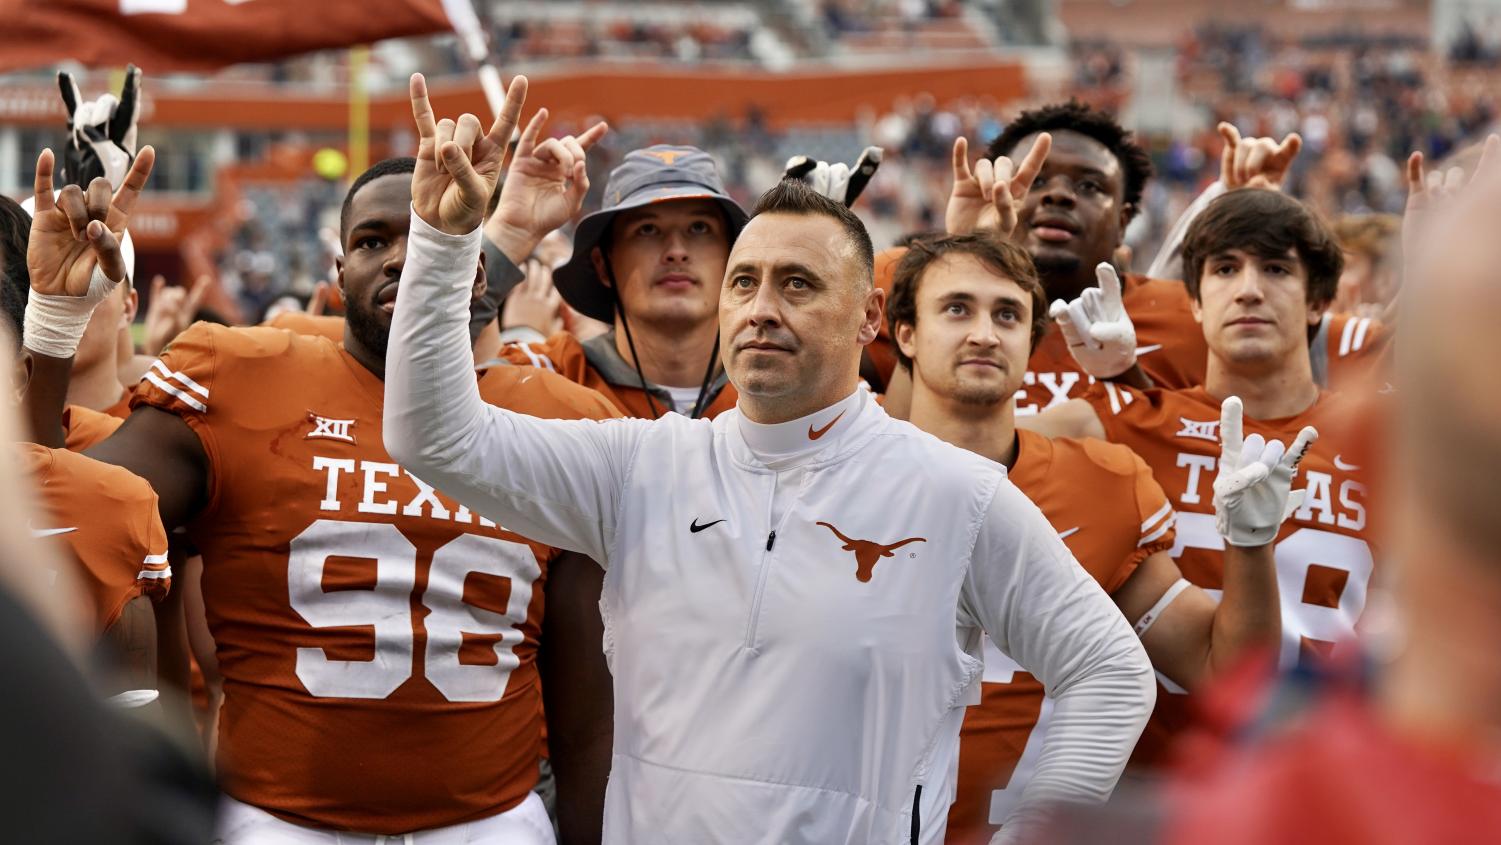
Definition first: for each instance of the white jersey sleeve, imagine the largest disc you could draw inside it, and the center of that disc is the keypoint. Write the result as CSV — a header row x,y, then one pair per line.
x,y
554,481
1041,608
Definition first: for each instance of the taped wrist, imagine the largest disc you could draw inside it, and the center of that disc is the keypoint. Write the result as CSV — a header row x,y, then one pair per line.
x,y
55,324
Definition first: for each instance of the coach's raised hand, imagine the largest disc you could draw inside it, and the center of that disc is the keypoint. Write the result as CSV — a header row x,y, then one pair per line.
x,y
458,163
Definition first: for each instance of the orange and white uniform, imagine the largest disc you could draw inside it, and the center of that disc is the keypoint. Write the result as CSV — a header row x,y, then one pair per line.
x,y
108,518
317,325
376,640
1124,520
1352,353
1323,551
1169,344
597,364
84,427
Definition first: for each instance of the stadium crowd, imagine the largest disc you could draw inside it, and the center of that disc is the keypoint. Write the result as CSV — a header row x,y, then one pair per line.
x,y
980,517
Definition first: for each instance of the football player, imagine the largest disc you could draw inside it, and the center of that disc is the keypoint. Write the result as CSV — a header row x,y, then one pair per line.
x,y
967,312
1261,267
377,641
1088,187
1396,743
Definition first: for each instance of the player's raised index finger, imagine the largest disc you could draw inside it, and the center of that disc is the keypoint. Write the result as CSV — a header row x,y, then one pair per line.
x,y
422,109
961,159
42,187
510,112
1229,133
1231,411
1110,283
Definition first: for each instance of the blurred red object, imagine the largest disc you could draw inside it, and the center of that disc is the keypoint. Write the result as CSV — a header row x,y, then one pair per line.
x,y
175,35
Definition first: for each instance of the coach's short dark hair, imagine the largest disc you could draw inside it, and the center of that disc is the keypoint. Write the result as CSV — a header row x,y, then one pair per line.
x,y
15,279
791,196
1266,224
1075,116
1004,258
387,167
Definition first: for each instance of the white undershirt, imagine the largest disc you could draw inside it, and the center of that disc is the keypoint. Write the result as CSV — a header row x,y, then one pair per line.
x,y
683,398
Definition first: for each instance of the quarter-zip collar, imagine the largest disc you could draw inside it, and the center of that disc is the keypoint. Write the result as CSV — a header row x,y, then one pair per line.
x,y
819,435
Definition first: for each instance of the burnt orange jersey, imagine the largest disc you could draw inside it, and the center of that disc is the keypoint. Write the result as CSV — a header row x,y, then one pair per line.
x,y
1357,352
1170,344
121,408
564,354
83,427
1124,519
108,519
316,325
1323,553
376,639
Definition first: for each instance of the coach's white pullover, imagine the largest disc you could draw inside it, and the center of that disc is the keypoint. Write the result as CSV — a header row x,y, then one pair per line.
x,y
793,621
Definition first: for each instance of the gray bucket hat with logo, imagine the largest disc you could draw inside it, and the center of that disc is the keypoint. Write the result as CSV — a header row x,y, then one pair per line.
x,y
660,173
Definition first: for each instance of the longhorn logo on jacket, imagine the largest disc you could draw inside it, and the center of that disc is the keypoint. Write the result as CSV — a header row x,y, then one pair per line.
x,y
867,552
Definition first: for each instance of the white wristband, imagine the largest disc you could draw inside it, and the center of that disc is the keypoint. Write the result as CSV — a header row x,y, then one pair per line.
x,y
1147,619
55,324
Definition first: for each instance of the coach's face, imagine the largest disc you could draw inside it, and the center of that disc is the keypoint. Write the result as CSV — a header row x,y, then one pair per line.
x,y
795,309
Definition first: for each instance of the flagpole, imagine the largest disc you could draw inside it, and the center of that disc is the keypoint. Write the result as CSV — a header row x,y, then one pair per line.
x,y
359,110
471,34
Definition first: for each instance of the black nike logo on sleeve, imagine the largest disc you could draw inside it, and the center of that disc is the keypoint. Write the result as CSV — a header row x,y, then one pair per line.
x,y
694,527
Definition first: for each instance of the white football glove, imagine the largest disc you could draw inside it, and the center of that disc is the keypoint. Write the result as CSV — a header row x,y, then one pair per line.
x,y
102,132
838,181
1253,491
1099,332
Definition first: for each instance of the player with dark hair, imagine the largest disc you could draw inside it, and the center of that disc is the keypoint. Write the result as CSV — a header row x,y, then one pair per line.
x,y
378,642
1069,232
1265,267
967,312
794,591
1072,196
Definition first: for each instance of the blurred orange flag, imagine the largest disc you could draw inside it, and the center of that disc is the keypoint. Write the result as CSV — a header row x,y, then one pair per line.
x,y
184,35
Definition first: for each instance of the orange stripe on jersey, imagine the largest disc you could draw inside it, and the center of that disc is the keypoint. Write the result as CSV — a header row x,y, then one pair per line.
x,y
1105,530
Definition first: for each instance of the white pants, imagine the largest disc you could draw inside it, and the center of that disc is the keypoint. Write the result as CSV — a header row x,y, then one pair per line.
x,y
524,824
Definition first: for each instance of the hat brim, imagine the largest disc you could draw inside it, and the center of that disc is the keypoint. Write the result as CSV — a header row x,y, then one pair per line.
x,y
577,281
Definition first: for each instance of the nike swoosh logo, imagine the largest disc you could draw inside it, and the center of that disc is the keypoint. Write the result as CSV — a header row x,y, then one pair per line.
x,y
694,527
1064,535
815,433
1341,465
50,532
1142,350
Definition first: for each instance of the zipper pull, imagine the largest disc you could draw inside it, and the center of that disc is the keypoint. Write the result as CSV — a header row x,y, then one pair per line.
x,y
770,539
